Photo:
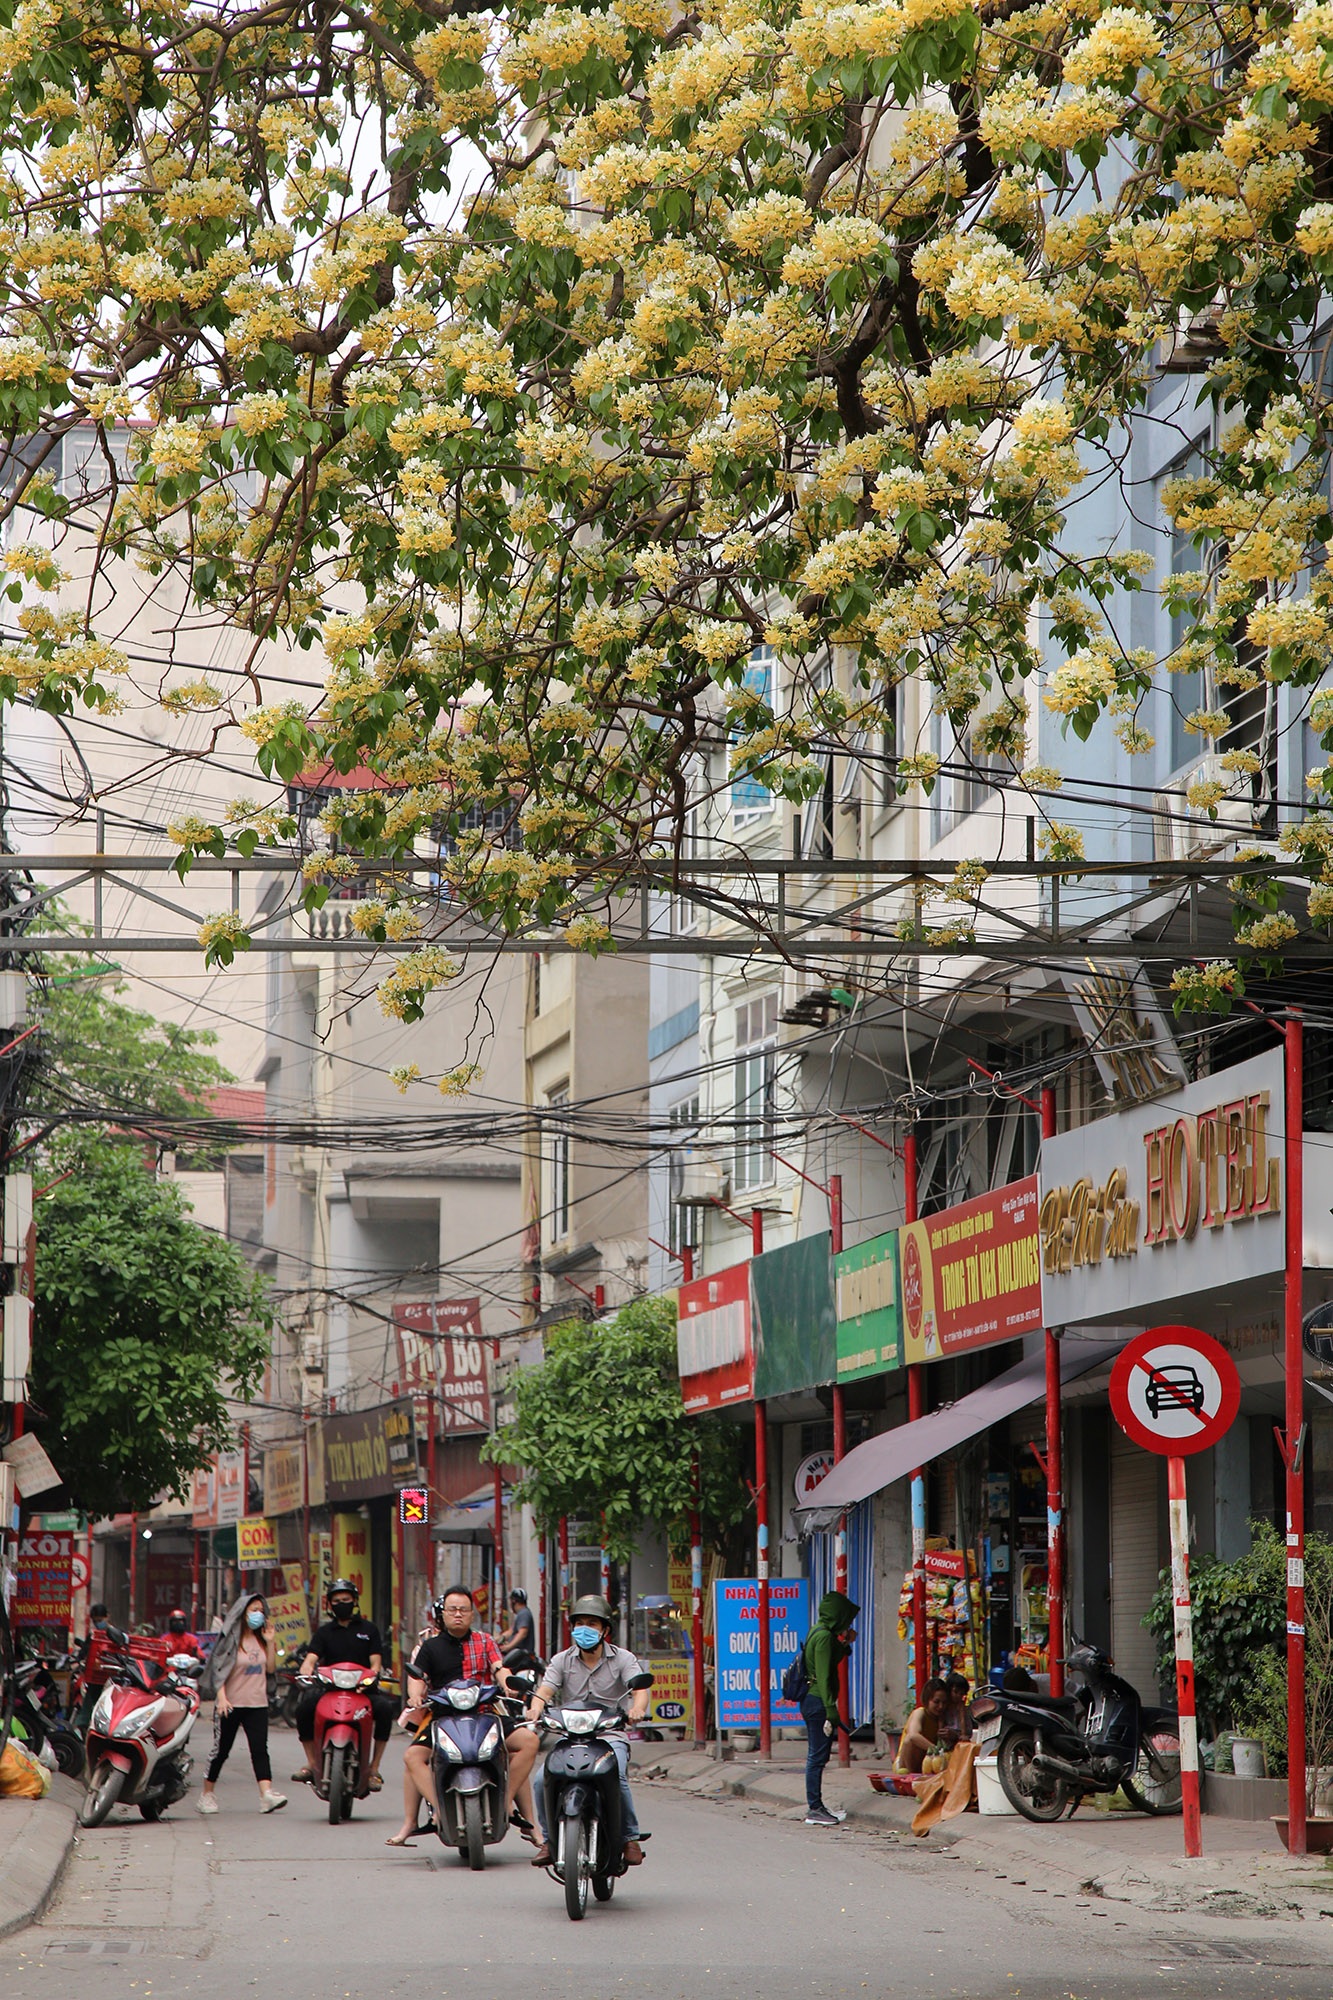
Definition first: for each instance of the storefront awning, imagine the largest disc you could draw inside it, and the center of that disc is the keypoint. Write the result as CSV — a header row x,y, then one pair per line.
x,y
895,1454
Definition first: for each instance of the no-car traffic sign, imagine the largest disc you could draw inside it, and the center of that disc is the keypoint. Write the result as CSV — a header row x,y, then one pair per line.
x,y
1174,1390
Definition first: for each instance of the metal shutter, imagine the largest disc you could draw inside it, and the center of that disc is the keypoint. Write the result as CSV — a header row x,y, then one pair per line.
x,y
1135,1560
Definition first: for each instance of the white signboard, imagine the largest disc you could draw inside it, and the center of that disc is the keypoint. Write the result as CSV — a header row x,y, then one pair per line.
x,y
1168,1200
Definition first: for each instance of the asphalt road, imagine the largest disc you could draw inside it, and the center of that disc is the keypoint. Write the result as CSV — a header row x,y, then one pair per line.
x,y
732,1902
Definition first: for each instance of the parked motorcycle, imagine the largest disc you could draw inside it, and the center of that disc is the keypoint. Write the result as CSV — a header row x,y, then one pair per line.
x,y
344,1725
1056,1750
470,1766
140,1726
284,1692
583,1814
38,1708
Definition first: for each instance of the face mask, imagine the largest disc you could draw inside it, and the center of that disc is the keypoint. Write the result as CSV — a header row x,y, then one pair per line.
x,y
255,1619
344,1613
587,1638
175,1628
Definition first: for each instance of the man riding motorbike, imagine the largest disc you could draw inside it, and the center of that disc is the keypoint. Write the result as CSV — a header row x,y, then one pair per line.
x,y
520,1635
592,1673
345,1640
456,1653
181,1637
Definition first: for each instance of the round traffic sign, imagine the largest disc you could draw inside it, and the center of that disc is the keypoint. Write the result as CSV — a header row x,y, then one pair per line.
x,y
1174,1390
78,1572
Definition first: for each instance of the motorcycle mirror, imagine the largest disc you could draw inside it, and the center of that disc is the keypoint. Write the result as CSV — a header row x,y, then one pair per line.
x,y
640,1681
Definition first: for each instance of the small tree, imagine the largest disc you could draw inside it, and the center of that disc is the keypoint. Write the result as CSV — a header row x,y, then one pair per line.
x,y
145,1322
601,1433
1239,1614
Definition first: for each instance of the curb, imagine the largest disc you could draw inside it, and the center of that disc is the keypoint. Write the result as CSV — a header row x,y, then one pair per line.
x,y
36,1841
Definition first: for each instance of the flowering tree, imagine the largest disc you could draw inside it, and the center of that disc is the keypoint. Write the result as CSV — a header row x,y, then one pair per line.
x,y
539,366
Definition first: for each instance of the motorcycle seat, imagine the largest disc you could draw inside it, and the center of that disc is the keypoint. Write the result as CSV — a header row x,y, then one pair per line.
x,y
1059,1704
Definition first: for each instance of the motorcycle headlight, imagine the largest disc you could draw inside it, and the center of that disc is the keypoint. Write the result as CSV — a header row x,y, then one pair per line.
x,y
141,1721
490,1743
464,1697
347,1677
101,1716
446,1746
581,1721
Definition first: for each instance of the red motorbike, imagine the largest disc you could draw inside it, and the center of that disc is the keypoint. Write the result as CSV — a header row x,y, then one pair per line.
x,y
138,1732
344,1722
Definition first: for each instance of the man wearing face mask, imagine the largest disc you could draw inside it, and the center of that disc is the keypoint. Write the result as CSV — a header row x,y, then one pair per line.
x,y
595,1674
347,1640
181,1637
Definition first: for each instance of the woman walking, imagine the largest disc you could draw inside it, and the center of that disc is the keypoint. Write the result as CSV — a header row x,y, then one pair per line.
x,y
242,1703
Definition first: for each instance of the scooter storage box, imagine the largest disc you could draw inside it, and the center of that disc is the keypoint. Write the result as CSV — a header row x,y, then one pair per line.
x,y
139,1647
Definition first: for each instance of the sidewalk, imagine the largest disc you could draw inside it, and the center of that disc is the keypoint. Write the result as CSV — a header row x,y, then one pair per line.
x,y
1126,1858
36,1840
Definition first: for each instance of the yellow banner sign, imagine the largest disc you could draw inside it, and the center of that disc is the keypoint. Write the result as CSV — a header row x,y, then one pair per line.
x,y
256,1543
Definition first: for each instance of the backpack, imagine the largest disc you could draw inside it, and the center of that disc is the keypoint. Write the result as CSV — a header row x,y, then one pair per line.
x,y
796,1680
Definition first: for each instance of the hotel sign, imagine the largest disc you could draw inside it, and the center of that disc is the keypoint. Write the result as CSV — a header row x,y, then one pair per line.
x,y
1167,1200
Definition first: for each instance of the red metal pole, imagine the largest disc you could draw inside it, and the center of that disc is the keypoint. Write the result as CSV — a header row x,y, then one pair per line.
x,y
697,1606
916,1406
432,1488
1184,1636
134,1566
1294,1137
543,1599
761,1528
1055,1505
839,1452
687,1262
194,1581
498,1558
564,1579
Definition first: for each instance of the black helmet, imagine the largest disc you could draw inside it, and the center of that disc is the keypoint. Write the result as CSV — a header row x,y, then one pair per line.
x,y
592,1607
518,1595
342,1587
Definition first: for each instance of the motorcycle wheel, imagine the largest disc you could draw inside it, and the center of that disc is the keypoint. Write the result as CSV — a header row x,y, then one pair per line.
x,y
104,1788
576,1869
338,1786
474,1833
68,1751
603,1887
1037,1798
1156,1785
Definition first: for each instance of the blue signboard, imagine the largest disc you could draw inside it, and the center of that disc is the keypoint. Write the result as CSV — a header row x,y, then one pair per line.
x,y
736,1630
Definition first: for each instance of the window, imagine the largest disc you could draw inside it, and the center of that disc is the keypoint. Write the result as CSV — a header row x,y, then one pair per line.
x,y
556,1203
749,799
683,1231
756,1069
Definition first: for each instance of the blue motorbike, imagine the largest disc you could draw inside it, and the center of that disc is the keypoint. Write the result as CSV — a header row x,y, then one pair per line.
x,y
470,1766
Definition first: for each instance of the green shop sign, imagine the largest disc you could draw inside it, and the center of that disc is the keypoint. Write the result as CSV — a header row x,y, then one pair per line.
x,y
870,1332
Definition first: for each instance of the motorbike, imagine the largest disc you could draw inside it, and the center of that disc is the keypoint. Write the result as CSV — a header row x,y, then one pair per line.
x,y
284,1692
583,1814
470,1767
344,1725
1056,1750
140,1726
38,1708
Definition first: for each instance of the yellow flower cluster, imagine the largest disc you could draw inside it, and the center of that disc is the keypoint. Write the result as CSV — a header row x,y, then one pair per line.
x,y
421,972
1268,933
1120,39
1088,678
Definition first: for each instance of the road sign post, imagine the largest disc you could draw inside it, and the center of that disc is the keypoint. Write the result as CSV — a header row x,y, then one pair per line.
x,y
1175,1391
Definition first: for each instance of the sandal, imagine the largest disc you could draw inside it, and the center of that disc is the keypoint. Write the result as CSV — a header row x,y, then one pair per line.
x,y
305,1776
542,1858
405,1841
376,1782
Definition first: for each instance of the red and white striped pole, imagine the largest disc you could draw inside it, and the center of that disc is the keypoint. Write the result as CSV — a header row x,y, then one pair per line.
x,y
1184,1634
1292,1454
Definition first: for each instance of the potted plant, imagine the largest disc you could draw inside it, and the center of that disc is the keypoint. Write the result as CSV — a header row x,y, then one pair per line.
x,y
1262,1710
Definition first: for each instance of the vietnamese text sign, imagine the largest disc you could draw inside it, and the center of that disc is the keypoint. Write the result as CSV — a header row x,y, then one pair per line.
x,y
1167,1200
284,1479
671,1702
256,1543
440,1349
971,1275
865,1287
369,1452
290,1619
42,1586
736,1629
714,1352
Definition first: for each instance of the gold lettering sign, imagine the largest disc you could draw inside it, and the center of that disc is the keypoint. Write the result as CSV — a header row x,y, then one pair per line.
x,y
1207,1169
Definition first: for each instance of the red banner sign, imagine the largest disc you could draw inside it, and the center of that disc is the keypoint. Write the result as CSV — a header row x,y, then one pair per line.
x,y
440,1348
714,1347
971,1275
42,1587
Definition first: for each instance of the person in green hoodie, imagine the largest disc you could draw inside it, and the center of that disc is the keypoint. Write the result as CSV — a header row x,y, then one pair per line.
x,y
828,1644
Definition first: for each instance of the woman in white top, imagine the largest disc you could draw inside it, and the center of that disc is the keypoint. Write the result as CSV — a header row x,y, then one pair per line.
x,y
242,1704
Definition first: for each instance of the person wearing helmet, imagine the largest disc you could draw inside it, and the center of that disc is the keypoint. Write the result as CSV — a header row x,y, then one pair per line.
x,y
181,1637
349,1640
520,1635
597,1674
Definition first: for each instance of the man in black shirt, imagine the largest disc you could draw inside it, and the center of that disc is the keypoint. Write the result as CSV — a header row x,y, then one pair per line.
x,y
520,1636
351,1641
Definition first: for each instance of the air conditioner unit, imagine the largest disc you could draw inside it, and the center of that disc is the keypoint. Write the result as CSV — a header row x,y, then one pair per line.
x,y
703,1180
1182,832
